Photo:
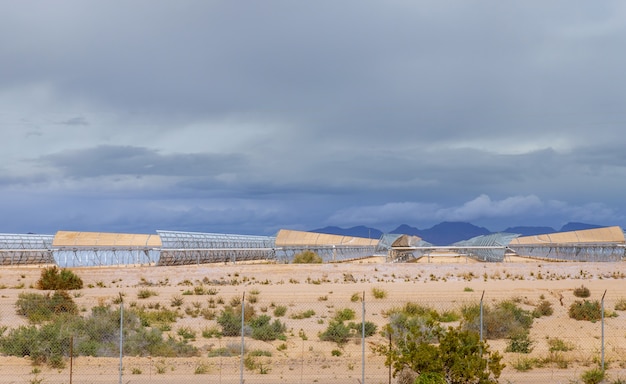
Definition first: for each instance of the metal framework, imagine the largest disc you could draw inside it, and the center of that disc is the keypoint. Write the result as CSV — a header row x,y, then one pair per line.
x,y
329,253
101,256
401,248
182,248
88,249
572,252
16,249
490,248
79,249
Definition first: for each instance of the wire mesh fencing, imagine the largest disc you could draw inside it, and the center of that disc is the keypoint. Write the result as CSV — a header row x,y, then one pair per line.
x,y
202,336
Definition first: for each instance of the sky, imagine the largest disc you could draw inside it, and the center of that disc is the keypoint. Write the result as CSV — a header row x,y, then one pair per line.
x,y
251,116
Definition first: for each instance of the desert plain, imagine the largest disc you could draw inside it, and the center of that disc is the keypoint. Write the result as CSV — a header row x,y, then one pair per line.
x,y
322,290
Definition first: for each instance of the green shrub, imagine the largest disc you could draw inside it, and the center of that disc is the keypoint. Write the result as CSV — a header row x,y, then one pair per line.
x,y
543,309
230,322
344,314
593,376
402,320
307,257
379,293
146,293
95,335
520,343
582,292
45,345
336,332
39,308
177,301
156,318
303,315
370,328
209,332
186,333
504,320
265,330
524,364
455,353
585,310
415,310
559,345
54,279
201,369
449,316
280,311
430,378
620,305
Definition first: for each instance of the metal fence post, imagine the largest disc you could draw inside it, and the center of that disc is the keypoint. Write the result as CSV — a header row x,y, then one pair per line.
x,y
363,341
602,358
243,301
481,322
121,335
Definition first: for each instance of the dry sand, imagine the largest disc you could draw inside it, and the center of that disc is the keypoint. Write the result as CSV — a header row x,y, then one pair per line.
x,y
445,284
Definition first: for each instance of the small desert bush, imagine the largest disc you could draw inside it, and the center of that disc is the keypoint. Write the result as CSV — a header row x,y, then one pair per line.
x,y
47,344
415,310
344,314
520,343
449,316
403,319
39,308
209,332
503,320
582,291
177,301
379,293
230,322
260,352
554,358
336,332
201,369
585,310
266,330
94,335
593,376
524,364
258,327
280,310
159,317
543,309
370,329
437,353
559,345
307,257
620,305
54,279
186,333
303,315
146,293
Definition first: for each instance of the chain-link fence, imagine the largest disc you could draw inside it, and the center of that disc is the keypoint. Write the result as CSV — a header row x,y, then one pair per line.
x,y
201,335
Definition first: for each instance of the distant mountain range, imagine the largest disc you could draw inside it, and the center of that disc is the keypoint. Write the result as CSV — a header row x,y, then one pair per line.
x,y
447,232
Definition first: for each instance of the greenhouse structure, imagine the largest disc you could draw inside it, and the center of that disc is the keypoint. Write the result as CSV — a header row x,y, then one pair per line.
x,y
85,249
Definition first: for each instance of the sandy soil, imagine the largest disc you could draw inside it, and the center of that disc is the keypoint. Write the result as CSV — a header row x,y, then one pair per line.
x,y
444,284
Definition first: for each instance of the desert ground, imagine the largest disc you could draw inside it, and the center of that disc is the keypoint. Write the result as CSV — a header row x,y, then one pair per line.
x,y
445,285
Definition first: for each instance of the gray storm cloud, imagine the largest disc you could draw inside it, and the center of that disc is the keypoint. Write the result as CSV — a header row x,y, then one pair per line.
x,y
270,114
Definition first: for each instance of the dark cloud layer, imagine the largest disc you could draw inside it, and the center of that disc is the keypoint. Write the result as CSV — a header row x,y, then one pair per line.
x,y
251,116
